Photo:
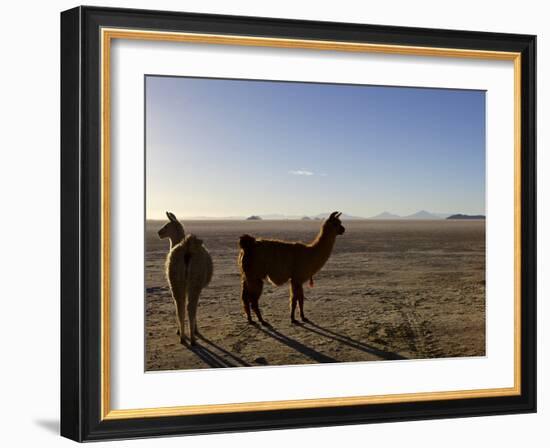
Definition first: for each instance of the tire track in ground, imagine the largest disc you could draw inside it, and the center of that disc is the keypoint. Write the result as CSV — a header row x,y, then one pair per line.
x,y
419,337
419,327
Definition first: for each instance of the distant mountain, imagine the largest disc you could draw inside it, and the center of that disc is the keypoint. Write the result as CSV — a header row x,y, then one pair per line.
x,y
461,216
254,218
422,214
278,216
342,217
386,215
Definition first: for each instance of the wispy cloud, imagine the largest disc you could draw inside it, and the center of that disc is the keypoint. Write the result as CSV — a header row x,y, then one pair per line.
x,y
301,173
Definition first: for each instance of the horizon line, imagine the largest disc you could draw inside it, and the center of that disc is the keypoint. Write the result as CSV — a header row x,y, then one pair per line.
x,y
283,216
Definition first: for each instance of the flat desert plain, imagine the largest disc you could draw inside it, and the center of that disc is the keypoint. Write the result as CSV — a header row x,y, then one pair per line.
x,y
391,290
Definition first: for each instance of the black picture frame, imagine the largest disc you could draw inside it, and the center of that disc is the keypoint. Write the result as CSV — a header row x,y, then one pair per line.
x,y
81,224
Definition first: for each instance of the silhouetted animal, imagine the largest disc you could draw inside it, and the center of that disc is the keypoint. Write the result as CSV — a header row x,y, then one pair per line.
x,y
280,261
189,269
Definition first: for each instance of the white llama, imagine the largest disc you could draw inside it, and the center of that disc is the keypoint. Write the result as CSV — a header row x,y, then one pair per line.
x,y
188,270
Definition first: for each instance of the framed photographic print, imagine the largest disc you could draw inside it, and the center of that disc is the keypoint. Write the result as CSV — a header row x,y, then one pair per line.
x,y
273,223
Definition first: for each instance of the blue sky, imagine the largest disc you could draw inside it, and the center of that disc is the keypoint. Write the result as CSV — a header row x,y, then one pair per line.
x,y
235,148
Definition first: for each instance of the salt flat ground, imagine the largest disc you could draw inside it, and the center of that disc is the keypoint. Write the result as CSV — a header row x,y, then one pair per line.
x,y
390,290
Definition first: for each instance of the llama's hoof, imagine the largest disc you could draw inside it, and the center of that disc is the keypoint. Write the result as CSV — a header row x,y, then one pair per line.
x,y
183,341
193,343
304,319
294,322
250,322
265,324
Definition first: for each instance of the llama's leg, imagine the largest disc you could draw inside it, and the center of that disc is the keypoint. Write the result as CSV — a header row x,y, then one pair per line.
x,y
255,291
178,294
295,289
197,333
180,311
245,298
192,304
301,304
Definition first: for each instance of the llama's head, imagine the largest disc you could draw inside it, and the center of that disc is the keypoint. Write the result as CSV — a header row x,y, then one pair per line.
x,y
333,224
172,229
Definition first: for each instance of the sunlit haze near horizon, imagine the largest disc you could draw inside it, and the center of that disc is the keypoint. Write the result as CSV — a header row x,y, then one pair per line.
x,y
234,148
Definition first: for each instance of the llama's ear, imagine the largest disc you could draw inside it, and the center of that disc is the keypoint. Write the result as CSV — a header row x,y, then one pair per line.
x,y
339,214
333,215
171,217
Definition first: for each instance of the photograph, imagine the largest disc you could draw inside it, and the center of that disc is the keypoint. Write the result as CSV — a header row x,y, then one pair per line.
x,y
292,223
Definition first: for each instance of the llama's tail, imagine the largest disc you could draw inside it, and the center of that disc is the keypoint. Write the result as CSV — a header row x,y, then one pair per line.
x,y
247,242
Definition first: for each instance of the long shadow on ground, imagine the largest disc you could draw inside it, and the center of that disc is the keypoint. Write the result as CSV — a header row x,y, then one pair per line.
x,y
218,357
296,345
210,357
226,352
346,340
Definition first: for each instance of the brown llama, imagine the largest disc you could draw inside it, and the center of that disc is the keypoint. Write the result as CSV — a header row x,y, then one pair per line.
x,y
280,261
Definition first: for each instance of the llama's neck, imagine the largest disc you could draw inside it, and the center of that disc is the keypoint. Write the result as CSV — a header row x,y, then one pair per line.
x,y
177,238
321,248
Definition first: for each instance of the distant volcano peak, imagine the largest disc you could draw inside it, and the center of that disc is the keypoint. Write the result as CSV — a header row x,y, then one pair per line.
x,y
421,214
386,215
